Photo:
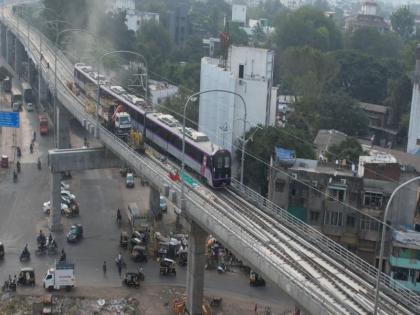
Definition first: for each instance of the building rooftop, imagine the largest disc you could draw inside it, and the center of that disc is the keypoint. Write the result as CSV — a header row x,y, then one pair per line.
x,y
407,239
315,166
326,138
373,107
404,158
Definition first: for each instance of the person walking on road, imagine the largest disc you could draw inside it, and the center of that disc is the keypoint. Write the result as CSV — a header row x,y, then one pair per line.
x,y
104,268
34,138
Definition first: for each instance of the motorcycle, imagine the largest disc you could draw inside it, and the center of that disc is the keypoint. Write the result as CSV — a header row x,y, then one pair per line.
x,y
18,166
63,256
31,148
41,250
25,256
39,164
18,152
15,177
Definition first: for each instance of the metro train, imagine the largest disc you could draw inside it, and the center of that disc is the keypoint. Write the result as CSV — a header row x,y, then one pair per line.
x,y
210,161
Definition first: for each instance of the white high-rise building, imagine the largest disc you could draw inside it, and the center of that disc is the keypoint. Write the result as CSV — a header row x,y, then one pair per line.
x,y
413,145
248,72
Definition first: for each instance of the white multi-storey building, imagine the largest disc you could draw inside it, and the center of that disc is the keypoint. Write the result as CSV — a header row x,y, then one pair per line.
x,y
135,19
248,72
413,145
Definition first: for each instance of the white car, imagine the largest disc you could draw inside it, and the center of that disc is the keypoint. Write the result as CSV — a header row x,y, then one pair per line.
x,y
46,208
67,194
65,186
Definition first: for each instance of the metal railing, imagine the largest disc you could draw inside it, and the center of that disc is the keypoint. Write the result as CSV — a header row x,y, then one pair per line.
x,y
330,247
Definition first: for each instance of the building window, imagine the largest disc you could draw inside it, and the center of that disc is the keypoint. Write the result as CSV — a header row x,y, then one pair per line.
x,y
368,224
241,71
279,186
400,273
373,199
333,218
351,221
336,193
313,216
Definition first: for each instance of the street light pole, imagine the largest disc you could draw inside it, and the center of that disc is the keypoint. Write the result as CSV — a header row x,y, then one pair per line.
x,y
183,133
381,252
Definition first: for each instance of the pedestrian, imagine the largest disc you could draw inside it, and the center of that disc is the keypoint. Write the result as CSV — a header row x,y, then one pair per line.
x,y
256,308
119,269
34,136
104,268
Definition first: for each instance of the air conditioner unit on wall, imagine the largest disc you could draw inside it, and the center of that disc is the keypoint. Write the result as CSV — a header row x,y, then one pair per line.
x,y
294,175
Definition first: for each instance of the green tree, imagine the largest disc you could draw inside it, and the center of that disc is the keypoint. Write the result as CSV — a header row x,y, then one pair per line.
x,y
114,29
361,76
370,41
402,22
305,71
154,43
237,36
399,97
260,149
268,9
339,111
348,149
307,26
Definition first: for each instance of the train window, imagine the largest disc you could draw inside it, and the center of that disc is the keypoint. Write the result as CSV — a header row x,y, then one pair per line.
x,y
219,162
227,161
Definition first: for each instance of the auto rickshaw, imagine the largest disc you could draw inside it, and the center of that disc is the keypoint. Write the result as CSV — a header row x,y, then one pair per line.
x,y
26,277
138,253
124,240
1,250
167,267
255,279
132,279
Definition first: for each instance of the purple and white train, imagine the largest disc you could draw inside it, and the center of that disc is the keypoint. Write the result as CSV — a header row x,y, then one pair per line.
x,y
205,158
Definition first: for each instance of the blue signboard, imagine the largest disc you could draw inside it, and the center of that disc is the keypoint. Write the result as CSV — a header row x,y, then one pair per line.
x,y
9,119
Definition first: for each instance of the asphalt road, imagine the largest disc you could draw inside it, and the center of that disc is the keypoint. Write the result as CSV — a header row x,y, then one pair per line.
x,y
99,193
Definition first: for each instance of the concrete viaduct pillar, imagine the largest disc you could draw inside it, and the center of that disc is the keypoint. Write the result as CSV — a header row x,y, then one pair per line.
x,y
42,89
73,160
195,268
62,127
19,53
3,31
10,48
154,201
55,224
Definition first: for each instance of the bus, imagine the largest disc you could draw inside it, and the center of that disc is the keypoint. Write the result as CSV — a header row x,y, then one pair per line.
x,y
16,99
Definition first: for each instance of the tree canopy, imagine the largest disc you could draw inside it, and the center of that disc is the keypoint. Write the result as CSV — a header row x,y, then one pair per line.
x,y
402,22
348,149
307,26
